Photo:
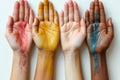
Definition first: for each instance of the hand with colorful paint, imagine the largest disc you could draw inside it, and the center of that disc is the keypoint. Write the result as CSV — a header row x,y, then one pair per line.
x,y
73,33
46,27
45,33
19,36
99,37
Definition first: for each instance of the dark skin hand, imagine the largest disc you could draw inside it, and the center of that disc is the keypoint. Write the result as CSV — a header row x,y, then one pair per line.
x,y
99,37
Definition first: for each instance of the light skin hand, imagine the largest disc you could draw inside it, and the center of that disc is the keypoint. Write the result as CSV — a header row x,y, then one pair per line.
x,y
19,27
45,34
19,36
99,37
73,33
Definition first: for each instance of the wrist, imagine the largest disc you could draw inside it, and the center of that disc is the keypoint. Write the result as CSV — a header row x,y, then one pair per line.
x,y
73,64
45,65
99,66
20,53
45,53
71,52
21,60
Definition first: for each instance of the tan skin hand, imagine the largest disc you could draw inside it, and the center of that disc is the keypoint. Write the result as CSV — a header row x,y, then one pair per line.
x,y
46,27
105,28
73,31
45,32
19,28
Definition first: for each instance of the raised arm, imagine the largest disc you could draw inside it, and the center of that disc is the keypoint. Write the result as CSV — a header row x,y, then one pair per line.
x,y
73,33
99,37
19,36
46,37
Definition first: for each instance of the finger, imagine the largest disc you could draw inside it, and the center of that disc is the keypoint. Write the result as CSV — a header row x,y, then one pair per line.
x,y
40,11
76,12
31,19
110,28
27,10
16,11
22,10
71,11
35,26
102,13
51,12
66,10
97,11
56,19
92,7
87,18
83,27
46,10
61,18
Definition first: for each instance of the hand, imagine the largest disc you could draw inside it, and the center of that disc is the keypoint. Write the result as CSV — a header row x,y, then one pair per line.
x,y
19,32
46,28
73,30
99,33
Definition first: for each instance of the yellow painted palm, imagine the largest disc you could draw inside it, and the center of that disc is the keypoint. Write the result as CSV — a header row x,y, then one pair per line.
x,y
46,27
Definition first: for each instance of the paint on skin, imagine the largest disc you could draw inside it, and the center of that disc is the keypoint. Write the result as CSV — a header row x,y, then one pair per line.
x,y
22,39
48,35
93,40
23,43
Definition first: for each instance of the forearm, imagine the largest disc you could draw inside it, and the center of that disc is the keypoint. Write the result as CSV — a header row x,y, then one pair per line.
x,y
20,67
100,72
45,66
73,68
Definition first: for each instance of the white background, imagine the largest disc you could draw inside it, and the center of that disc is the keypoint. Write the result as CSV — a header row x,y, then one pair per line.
x,y
113,53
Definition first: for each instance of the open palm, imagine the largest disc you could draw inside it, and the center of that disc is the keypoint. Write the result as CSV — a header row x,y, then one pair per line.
x,y
99,33
46,27
73,30
19,28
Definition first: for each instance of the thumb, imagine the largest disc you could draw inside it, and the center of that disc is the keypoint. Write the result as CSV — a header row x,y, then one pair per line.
x,y
83,26
35,26
110,30
9,27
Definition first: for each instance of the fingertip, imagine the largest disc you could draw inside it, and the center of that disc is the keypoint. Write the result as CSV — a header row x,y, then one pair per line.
x,y
75,4
32,13
50,5
45,1
110,21
62,13
87,13
26,2
96,0
70,3
82,21
92,4
101,4
17,4
66,5
22,2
